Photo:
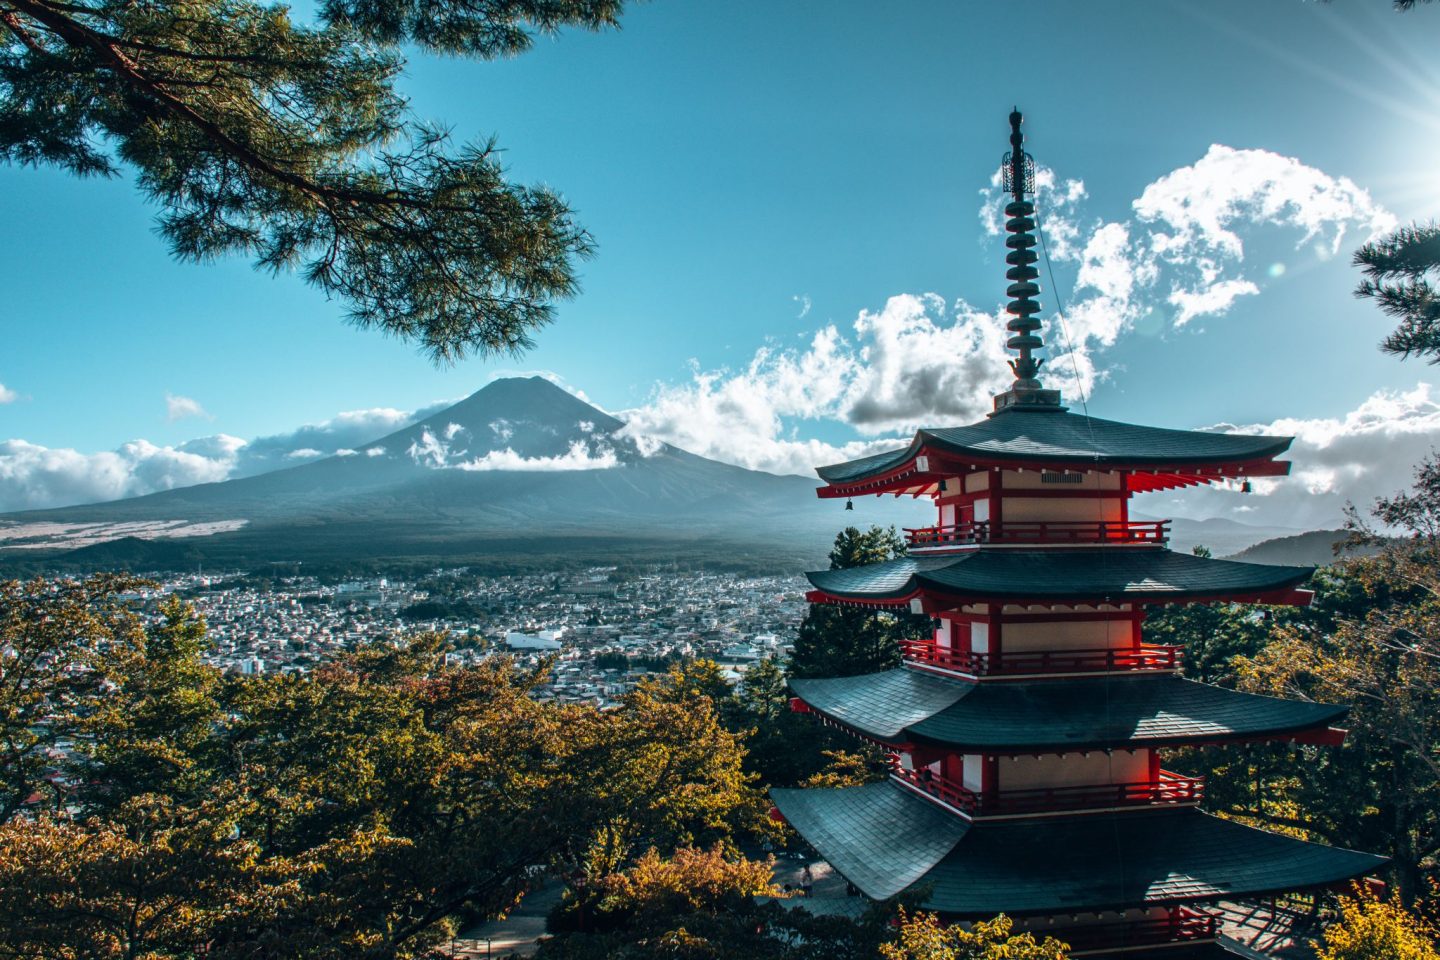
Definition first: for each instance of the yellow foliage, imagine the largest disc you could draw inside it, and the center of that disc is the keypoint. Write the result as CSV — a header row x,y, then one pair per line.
x,y
922,937
1374,929
690,880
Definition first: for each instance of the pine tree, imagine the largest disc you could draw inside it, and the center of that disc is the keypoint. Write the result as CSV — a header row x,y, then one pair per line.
x,y
289,143
836,641
1399,270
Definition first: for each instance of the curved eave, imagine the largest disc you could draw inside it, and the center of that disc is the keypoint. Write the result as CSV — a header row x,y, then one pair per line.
x,y
888,841
902,708
1161,458
907,475
1039,577
939,601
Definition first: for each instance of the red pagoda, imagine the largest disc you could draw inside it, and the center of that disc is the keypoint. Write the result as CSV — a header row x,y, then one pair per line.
x,y
1026,735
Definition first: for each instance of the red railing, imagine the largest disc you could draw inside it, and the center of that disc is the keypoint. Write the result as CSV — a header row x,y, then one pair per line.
x,y
1145,657
1039,531
1170,788
1181,926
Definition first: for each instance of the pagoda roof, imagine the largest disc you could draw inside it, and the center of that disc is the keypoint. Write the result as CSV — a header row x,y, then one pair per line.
x,y
1040,575
1052,436
912,706
886,840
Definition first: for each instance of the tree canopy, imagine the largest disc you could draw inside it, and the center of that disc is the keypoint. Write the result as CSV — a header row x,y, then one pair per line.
x,y
288,142
158,806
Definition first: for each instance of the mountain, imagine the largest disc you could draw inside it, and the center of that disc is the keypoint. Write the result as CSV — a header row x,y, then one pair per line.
x,y
1315,548
519,467
1221,535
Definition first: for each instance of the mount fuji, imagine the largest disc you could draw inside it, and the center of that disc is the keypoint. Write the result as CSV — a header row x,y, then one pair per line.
x,y
521,467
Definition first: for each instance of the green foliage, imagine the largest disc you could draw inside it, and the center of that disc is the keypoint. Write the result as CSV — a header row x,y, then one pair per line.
x,y
922,937
836,641
50,637
1399,271
1214,635
289,143
1373,929
351,813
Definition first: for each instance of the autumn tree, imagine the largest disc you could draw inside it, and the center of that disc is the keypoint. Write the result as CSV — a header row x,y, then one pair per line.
x,y
288,142
1379,652
921,936
49,635
704,904
355,812
1373,929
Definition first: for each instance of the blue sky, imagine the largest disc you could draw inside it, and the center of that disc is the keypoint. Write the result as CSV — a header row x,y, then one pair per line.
x,y
757,172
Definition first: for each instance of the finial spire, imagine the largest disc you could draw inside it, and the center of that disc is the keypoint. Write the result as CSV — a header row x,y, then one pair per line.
x,y
1018,175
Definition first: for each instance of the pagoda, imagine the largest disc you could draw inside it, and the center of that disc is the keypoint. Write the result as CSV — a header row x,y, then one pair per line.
x,y
1026,735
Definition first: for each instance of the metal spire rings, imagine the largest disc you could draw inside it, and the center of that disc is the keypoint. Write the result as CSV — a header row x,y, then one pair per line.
x,y
1019,179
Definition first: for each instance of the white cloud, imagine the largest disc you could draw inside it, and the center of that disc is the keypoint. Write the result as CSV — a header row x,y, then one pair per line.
x,y
1368,452
33,476
578,457
429,450
1197,207
178,408
7,395
1213,301
920,361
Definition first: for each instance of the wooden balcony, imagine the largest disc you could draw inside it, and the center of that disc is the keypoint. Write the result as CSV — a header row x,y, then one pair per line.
x,y
1184,925
1033,662
1170,788
1039,532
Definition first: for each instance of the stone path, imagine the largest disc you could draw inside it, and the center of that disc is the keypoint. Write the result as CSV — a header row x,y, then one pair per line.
x,y
515,936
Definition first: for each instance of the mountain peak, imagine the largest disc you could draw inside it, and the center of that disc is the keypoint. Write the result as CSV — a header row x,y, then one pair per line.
x,y
535,400
513,417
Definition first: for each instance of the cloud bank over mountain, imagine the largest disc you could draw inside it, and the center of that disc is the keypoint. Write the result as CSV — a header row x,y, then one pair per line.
x,y
920,359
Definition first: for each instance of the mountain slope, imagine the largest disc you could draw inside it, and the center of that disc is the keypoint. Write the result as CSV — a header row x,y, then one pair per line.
x,y
1315,548
520,459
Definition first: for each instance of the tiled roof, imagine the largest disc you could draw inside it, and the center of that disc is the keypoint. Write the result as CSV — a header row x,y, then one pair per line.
x,y
885,840
1118,574
877,835
1057,437
1082,713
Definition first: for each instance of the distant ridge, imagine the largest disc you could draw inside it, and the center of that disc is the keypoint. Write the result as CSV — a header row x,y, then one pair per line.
x,y
1315,548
